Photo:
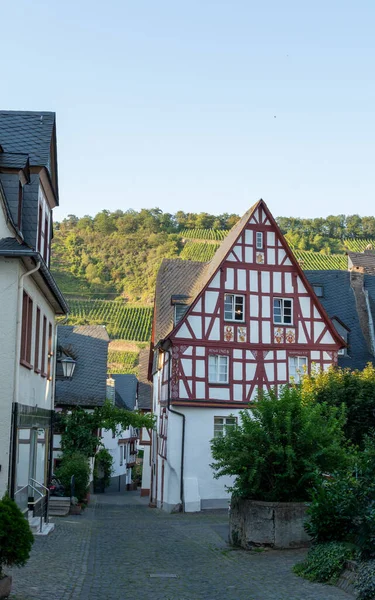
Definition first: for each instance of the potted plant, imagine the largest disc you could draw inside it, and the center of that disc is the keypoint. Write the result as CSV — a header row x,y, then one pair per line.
x,y
16,540
75,464
278,454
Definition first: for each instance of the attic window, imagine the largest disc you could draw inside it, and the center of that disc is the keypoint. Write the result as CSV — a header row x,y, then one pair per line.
x,y
179,311
259,240
319,290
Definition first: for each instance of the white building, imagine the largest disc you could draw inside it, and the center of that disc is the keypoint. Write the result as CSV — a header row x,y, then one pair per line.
x,y
248,320
30,299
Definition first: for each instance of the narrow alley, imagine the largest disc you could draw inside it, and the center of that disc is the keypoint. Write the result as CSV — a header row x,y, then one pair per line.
x,y
121,549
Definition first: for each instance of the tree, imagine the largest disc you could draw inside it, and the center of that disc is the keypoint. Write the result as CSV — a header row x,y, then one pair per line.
x,y
353,389
281,447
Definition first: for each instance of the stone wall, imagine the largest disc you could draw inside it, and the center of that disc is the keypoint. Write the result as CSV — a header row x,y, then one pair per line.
x,y
274,524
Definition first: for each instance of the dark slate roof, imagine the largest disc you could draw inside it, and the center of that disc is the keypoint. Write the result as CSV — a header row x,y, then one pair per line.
x,y
29,225
144,386
88,345
126,391
363,260
11,248
339,301
13,160
175,276
28,132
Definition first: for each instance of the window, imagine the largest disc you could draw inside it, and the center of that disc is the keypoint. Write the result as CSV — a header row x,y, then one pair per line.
x,y
46,240
179,311
297,368
234,307
221,423
121,455
282,311
40,221
44,339
37,335
27,329
259,240
49,358
318,289
218,368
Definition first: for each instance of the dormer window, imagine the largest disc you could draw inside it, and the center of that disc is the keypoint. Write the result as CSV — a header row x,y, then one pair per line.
x,y
259,240
319,290
179,311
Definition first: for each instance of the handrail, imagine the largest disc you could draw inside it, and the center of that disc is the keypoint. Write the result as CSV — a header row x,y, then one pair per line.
x,y
35,490
46,517
20,490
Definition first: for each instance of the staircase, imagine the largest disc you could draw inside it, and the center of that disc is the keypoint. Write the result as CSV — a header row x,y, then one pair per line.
x,y
38,526
59,506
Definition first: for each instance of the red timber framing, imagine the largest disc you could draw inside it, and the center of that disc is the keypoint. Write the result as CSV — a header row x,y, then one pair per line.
x,y
260,348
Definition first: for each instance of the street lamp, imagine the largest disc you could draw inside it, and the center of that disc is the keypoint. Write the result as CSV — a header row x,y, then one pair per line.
x,y
68,366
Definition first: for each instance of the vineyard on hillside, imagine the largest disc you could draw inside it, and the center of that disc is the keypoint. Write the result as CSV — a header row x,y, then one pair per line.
x,y
121,320
204,234
120,362
358,245
315,261
199,251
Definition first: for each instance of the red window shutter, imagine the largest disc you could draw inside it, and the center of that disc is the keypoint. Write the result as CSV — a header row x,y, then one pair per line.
x,y
37,335
24,326
26,329
44,335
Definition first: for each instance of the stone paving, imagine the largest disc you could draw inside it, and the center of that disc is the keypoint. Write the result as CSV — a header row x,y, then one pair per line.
x,y
120,549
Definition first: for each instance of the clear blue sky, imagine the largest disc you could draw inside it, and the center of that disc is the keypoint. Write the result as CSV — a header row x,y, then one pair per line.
x,y
173,104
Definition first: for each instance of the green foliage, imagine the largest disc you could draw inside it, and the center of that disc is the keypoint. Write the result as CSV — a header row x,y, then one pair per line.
x,y
77,464
281,448
103,466
198,251
122,321
354,389
344,508
79,427
365,583
325,562
123,361
16,538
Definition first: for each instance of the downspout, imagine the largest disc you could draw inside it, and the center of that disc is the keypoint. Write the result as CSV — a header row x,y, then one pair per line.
x,y
11,481
175,412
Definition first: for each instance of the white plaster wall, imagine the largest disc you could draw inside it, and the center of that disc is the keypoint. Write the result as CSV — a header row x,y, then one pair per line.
x,y
146,469
9,270
35,390
113,446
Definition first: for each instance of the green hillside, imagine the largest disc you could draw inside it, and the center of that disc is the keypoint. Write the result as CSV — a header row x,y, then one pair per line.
x,y
107,264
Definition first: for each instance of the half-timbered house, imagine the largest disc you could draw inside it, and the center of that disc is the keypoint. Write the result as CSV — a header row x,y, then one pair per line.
x,y
247,321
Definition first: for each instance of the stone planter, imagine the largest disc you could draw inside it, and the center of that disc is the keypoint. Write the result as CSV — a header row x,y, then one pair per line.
x,y
5,586
274,524
75,509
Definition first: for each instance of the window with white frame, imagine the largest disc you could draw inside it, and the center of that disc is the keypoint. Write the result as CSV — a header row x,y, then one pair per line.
x,y
218,367
221,425
234,307
297,368
259,240
283,311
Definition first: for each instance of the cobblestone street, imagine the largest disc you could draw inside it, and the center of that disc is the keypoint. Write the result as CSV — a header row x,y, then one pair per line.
x,y
120,549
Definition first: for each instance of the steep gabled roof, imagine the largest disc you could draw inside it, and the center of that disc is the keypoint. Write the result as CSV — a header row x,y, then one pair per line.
x,y
196,279
363,260
28,132
144,386
88,345
125,391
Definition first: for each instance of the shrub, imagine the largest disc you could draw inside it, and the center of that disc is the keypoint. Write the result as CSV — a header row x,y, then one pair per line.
x,y
354,389
78,465
365,583
344,508
103,466
325,562
281,448
16,538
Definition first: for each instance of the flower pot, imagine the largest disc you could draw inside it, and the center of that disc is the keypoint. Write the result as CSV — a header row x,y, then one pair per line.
x,y
75,509
5,586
